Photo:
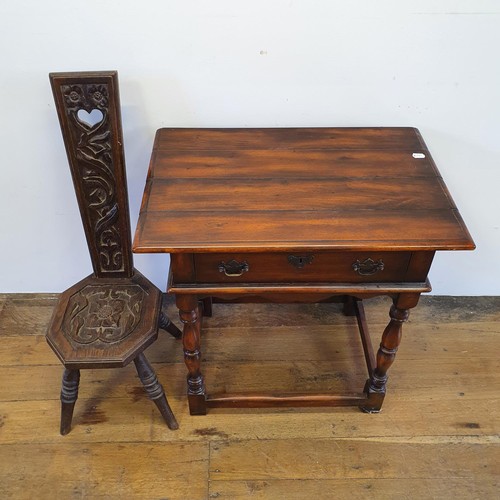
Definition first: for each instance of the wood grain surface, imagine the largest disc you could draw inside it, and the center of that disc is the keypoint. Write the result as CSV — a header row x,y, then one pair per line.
x,y
437,436
281,189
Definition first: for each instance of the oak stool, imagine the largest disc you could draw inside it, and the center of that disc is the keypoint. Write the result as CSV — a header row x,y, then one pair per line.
x,y
109,318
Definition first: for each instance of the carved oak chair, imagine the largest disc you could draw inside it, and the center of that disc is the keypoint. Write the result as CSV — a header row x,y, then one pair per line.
x,y
109,318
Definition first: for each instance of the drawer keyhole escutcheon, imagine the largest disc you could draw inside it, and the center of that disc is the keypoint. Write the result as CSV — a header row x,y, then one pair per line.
x,y
233,268
368,267
299,261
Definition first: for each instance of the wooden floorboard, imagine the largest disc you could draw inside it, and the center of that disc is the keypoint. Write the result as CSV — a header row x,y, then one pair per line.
x,y
437,436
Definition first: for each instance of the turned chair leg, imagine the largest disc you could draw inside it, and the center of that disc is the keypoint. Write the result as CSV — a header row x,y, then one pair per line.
x,y
69,395
155,390
165,324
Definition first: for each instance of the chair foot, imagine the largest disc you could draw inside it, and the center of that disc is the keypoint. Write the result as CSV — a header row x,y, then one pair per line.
x,y
69,395
165,324
166,412
155,390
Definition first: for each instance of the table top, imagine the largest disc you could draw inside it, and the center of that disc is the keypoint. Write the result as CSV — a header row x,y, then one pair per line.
x,y
231,190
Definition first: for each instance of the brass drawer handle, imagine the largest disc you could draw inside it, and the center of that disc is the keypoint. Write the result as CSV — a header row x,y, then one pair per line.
x,y
368,267
299,261
233,268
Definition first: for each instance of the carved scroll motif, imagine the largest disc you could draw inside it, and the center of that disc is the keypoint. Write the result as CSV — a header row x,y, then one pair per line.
x,y
103,313
92,142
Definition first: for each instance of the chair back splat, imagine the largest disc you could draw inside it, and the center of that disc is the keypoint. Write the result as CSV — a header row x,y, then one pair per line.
x,y
89,113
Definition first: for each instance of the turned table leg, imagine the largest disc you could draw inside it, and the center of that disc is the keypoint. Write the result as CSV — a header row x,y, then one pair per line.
x,y
207,306
375,387
189,313
69,395
348,308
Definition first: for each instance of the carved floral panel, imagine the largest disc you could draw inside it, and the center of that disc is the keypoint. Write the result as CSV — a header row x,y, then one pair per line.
x,y
100,313
86,108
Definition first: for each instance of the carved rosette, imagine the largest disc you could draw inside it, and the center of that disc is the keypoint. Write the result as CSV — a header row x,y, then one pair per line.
x,y
96,178
99,313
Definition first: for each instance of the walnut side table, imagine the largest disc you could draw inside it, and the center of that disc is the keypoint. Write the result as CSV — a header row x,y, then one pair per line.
x,y
291,215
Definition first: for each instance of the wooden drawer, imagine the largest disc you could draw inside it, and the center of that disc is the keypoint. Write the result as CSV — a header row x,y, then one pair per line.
x,y
319,267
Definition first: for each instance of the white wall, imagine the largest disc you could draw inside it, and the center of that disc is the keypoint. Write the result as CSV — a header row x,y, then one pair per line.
x,y
429,63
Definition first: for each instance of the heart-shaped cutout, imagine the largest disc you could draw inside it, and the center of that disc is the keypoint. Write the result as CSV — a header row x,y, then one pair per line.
x,y
90,119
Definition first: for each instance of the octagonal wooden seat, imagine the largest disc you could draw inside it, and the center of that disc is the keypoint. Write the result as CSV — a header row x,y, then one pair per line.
x,y
109,318
105,322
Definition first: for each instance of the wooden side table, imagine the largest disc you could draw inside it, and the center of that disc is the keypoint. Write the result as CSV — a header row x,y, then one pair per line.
x,y
302,214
